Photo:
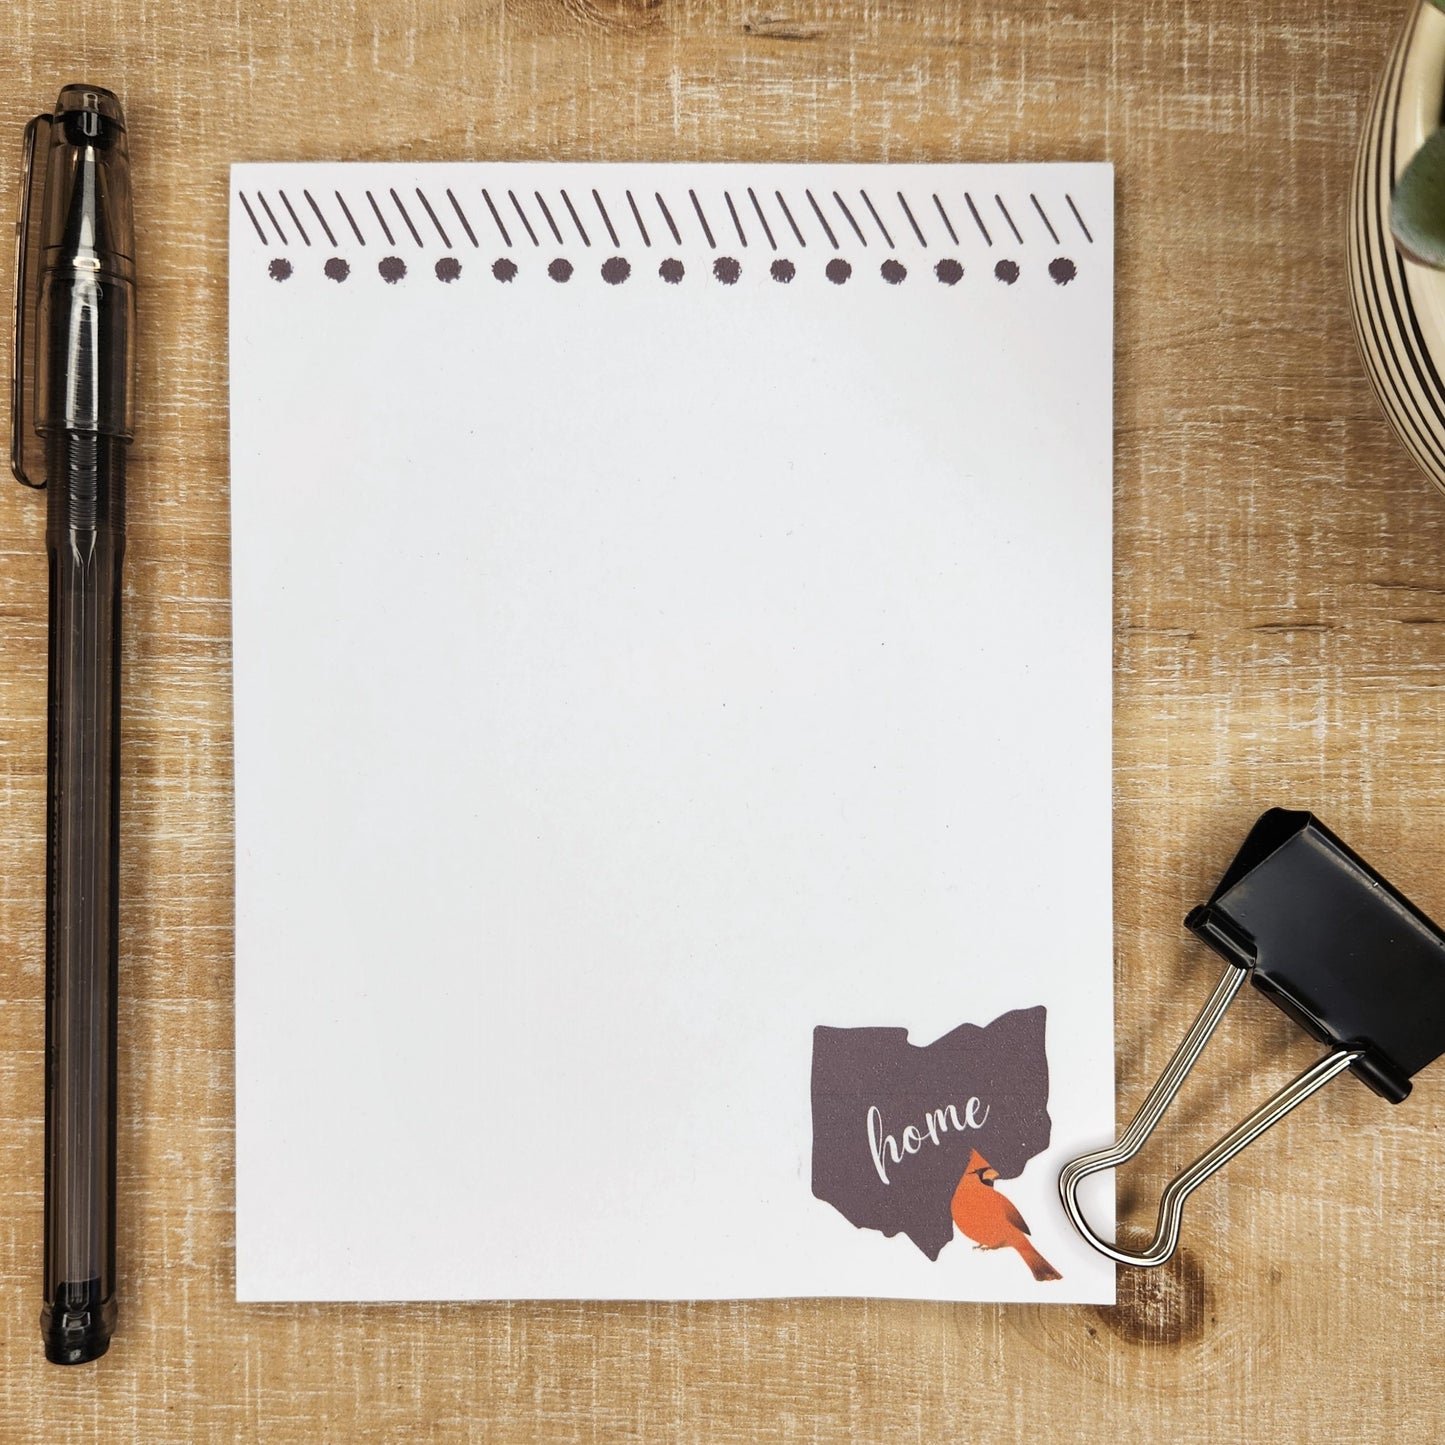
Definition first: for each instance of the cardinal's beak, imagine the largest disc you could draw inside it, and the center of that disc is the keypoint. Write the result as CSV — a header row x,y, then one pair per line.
x,y
988,1175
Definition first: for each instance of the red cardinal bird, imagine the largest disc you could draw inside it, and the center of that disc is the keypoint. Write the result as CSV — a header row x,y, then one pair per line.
x,y
990,1220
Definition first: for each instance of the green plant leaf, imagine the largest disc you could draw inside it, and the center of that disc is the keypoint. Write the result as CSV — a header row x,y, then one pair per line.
x,y
1417,207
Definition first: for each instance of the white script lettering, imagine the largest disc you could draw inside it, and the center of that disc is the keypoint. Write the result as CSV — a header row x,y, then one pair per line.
x,y
887,1148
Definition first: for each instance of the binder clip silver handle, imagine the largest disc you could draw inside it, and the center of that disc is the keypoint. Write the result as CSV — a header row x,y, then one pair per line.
x,y
1171,1203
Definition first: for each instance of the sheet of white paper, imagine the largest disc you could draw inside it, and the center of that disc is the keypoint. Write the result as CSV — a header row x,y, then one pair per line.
x,y
672,613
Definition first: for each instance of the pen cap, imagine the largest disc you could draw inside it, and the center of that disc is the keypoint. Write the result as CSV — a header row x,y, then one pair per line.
x,y
86,300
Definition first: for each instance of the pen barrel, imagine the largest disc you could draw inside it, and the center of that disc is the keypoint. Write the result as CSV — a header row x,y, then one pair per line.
x,y
86,544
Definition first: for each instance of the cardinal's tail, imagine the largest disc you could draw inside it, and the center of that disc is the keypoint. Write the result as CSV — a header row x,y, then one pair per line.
x,y
1041,1267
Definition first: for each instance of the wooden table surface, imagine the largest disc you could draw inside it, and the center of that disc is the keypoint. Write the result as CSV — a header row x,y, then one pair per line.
x,y
1280,637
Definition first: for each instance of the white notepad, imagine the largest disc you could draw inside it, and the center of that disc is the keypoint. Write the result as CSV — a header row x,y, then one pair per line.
x,y
672,618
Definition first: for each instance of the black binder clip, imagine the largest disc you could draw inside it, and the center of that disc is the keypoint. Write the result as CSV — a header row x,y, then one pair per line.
x,y
1343,953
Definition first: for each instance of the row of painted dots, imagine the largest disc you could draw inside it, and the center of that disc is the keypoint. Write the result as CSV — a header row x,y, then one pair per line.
x,y
726,269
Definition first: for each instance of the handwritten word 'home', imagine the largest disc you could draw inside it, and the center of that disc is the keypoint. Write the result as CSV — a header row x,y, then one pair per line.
x,y
936,1123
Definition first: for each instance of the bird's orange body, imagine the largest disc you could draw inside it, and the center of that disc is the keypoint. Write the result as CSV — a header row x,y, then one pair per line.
x,y
990,1220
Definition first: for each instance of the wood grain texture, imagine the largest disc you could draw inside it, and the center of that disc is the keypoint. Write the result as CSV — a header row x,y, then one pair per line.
x,y
1280,638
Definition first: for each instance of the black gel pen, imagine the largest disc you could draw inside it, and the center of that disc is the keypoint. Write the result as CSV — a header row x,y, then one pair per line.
x,y
80,317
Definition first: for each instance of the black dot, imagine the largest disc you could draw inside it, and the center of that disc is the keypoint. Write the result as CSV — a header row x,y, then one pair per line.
x,y
337,269
1007,272
560,269
784,271
1062,270
893,271
448,268
949,271
727,270
838,270
504,268
671,271
280,269
615,270
392,269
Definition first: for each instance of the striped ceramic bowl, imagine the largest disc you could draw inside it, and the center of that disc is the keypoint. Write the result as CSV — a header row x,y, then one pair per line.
x,y
1399,306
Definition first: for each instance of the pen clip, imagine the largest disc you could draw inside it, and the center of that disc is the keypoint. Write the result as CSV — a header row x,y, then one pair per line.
x,y
24,309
